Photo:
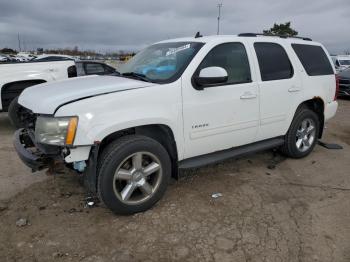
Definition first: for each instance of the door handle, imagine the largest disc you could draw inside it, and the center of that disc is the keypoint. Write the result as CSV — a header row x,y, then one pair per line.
x,y
294,89
248,95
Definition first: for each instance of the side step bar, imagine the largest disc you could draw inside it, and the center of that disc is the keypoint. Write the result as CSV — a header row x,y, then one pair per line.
x,y
234,152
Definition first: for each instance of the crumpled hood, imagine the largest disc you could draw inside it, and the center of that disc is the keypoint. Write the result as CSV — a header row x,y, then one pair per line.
x,y
46,98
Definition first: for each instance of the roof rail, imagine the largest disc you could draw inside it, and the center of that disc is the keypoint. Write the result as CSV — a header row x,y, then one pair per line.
x,y
281,36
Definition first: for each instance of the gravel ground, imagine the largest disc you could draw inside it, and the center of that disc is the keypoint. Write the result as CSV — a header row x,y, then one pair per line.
x,y
271,209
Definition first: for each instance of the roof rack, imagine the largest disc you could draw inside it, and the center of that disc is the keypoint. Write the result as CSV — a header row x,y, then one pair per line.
x,y
281,36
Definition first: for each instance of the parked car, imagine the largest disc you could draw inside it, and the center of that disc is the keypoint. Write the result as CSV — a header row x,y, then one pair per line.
x,y
53,57
3,58
12,58
20,58
225,96
27,55
341,62
15,77
344,83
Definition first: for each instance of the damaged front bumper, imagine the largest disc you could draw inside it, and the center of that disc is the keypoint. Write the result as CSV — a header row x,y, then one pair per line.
x,y
38,156
34,155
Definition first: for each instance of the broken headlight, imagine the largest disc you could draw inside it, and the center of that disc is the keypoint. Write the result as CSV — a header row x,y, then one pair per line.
x,y
58,131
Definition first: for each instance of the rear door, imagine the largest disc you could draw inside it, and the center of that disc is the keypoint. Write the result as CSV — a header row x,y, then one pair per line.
x,y
279,86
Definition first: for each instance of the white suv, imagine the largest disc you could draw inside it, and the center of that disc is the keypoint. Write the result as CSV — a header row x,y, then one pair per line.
x,y
178,104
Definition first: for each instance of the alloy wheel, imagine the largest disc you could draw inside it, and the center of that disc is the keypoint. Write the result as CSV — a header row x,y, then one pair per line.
x,y
137,178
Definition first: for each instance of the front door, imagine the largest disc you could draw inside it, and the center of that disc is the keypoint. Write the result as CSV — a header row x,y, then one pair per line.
x,y
221,116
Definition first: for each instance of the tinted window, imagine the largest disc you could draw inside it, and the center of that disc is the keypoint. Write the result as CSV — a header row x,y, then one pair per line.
x,y
94,68
233,58
313,59
109,69
273,61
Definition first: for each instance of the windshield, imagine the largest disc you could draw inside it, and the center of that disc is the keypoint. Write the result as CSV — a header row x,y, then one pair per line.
x,y
162,63
344,62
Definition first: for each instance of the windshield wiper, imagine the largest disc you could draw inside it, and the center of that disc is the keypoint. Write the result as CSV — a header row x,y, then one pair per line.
x,y
137,76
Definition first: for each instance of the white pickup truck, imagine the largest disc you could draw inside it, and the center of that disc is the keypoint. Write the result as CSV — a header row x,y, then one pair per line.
x,y
15,77
177,104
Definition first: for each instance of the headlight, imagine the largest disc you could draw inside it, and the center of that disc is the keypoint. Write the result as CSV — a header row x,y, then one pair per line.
x,y
56,130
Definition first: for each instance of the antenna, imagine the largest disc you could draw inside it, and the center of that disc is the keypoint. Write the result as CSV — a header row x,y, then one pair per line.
x,y
198,34
219,17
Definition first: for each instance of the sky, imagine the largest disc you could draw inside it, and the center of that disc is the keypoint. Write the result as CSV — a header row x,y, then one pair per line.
x,y
112,25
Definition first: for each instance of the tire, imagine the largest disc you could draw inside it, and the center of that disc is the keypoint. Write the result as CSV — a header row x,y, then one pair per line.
x,y
297,132
119,170
13,110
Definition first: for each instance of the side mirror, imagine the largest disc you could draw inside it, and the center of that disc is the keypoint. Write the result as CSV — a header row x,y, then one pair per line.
x,y
211,76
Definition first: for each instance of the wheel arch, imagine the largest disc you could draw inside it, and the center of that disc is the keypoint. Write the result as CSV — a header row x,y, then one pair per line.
x,y
159,132
8,93
317,105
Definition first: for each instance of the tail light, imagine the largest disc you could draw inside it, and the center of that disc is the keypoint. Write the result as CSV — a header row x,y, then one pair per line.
x,y
336,87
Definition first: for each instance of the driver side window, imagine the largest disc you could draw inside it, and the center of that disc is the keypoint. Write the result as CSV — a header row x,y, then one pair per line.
x,y
233,58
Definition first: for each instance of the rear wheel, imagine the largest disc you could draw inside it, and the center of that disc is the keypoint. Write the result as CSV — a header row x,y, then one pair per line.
x,y
134,172
302,135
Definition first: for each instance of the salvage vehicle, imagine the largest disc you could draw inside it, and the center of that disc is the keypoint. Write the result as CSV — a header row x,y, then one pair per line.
x,y
53,57
15,77
344,83
3,58
341,62
214,98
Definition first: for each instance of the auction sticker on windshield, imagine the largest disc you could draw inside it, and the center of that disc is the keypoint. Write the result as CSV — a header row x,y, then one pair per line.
x,y
178,49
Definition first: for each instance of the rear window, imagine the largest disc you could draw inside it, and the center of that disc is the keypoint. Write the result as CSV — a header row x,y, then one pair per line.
x,y
313,59
273,61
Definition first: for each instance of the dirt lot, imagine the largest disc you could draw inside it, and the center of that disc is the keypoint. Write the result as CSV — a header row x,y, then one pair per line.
x,y
271,209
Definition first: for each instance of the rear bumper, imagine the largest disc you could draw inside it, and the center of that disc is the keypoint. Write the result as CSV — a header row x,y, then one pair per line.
x,y
330,110
31,154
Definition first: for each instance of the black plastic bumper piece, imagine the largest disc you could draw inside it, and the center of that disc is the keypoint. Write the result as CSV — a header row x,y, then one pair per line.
x,y
27,152
90,173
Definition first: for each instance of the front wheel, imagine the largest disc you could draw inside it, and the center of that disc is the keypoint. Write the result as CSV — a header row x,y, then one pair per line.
x,y
302,135
134,172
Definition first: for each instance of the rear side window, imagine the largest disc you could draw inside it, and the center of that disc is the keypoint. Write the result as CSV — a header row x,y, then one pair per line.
x,y
273,61
94,68
313,59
